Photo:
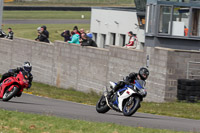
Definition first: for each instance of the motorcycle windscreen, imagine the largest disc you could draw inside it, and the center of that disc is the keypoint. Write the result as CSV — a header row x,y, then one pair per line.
x,y
139,84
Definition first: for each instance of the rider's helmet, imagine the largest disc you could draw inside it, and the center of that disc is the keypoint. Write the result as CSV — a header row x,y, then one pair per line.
x,y
143,73
27,66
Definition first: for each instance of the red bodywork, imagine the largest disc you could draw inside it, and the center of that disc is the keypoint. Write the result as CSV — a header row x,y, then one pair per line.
x,y
20,81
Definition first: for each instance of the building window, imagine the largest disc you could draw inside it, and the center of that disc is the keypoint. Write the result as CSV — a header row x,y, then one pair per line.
x,y
141,22
112,38
147,18
103,40
177,0
150,19
180,21
195,22
122,39
165,19
95,37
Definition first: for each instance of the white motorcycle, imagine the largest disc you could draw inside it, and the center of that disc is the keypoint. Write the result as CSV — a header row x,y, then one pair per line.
x,y
126,100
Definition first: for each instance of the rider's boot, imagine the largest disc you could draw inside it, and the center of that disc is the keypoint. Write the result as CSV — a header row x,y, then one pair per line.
x,y
110,93
113,90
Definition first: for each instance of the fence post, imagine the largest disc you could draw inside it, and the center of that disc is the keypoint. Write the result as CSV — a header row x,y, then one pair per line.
x,y
1,13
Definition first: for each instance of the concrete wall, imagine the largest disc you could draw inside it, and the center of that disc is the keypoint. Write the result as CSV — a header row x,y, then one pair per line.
x,y
85,68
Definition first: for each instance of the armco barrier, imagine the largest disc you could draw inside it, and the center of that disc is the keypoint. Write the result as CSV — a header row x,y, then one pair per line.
x,y
85,68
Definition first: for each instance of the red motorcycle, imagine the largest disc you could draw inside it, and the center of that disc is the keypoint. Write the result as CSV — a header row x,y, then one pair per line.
x,y
13,86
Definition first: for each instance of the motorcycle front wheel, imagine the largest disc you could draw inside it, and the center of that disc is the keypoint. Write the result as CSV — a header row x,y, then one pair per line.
x,y
9,94
101,106
131,106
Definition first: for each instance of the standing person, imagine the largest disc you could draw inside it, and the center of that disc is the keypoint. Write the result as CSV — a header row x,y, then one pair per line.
x,y
132,40
86,41
66,35
2,34
44,34
38,33
10,34
89,34
76,31
75,38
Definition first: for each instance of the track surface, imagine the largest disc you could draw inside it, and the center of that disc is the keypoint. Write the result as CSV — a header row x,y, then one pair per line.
x,y
46,21
40,105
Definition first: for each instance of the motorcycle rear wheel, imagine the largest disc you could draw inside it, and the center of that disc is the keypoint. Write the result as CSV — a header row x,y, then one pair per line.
x,y
131,106
101,106
9,94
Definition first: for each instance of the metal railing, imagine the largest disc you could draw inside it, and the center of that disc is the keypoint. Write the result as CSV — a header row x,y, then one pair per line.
x,y
192,67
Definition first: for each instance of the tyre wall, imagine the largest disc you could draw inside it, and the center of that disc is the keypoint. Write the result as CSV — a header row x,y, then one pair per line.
x,y
188,90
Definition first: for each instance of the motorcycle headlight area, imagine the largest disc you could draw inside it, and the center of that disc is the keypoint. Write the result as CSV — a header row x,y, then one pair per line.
x,y
142,92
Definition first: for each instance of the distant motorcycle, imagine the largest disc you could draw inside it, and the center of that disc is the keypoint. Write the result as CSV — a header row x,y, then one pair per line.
x,y
126,100
14,86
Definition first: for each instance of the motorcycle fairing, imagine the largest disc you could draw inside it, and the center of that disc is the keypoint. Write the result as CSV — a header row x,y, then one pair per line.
x,y
127,93
7,82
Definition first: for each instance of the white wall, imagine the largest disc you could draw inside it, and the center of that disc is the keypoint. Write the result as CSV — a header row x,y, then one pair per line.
x,y
106,21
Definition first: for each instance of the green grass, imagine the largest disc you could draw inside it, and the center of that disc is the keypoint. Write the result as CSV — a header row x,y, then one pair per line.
x,y
29,31
77,3
175,109
17,122
46,14
65,94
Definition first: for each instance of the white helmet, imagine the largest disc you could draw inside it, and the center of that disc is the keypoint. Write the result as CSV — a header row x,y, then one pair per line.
x,y
27,66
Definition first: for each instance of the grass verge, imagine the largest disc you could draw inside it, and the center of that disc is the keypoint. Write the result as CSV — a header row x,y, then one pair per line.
x,y
46,14
175,109
73,3
17,122
29,31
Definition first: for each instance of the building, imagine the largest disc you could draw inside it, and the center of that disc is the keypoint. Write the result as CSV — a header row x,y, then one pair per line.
x,y
110,26
173,24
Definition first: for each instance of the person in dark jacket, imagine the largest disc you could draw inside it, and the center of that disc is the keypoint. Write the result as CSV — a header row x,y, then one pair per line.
x,y
25,68
66,35
10,34
44,35
86,41
141,75
2,34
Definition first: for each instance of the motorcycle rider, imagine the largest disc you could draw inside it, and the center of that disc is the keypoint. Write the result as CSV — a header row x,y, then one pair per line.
x,y
141,75
25,68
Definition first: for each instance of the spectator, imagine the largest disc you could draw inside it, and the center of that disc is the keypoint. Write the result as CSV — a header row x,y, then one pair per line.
x,y
2,34
38,33
86,41
76,31
44,34
75,38
10,34
132,40
66,35
185,31
89,34
82,32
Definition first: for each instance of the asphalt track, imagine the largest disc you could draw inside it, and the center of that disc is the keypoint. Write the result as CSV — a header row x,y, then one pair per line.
x,y
40,105
46,21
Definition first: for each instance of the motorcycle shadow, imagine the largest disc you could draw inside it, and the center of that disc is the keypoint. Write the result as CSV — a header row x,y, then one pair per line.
x,y
133,116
